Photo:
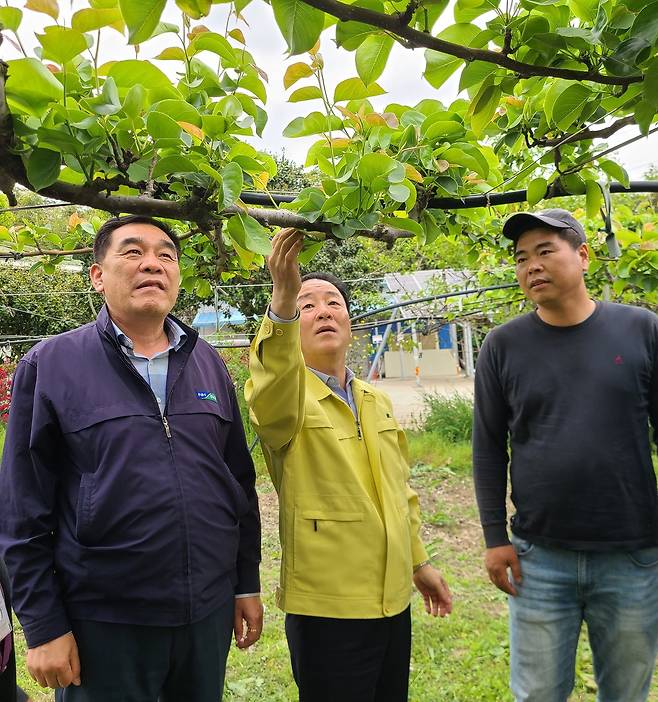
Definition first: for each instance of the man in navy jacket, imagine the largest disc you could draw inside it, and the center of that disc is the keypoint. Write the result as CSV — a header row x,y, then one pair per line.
x,y
129,518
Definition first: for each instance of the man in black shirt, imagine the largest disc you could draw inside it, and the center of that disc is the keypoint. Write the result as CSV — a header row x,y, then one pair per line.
x,y
572,390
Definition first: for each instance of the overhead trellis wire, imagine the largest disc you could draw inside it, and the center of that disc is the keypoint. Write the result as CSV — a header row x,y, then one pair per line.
x,y
430,298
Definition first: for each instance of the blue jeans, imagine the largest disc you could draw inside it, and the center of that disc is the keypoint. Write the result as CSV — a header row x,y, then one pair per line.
x,y
616,594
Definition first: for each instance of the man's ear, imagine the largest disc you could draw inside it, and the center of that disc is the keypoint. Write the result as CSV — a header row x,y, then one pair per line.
x,y
96,276
583,252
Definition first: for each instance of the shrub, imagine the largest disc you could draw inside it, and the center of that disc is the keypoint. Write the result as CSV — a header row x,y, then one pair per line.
x,y
237,362
6,372
448,416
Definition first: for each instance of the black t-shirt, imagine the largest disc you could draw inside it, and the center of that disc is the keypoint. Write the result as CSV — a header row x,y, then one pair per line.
x,y
575,404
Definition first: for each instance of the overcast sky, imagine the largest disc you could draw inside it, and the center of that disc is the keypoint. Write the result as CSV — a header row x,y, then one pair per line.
x,y
402,78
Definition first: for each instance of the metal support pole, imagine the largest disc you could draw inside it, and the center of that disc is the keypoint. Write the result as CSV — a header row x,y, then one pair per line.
x,y
468,350
400,352
414,336
381,347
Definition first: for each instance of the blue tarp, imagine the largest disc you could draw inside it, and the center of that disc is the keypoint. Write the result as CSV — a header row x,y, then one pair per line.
x,y
207,317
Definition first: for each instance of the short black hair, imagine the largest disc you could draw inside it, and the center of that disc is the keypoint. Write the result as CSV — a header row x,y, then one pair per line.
x,y
572,238
336,282
104,234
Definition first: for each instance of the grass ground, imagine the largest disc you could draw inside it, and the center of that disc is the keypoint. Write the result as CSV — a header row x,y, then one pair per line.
x,y
463,658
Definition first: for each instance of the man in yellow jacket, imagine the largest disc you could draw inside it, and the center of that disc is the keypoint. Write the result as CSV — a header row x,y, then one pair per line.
x,y
348,521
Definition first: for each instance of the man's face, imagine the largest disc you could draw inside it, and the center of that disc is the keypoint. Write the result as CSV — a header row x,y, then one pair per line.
x,y
548,268
139,275
324,320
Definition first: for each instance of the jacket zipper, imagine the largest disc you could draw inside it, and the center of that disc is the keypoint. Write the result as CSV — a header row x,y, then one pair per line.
x,y
165,423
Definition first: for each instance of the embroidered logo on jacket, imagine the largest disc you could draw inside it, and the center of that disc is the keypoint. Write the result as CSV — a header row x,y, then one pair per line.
x,y
205,395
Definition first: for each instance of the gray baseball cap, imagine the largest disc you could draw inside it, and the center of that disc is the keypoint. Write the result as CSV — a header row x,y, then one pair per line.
x,y
556,218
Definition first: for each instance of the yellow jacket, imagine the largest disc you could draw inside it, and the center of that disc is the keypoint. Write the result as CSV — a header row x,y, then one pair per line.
x,y
348,521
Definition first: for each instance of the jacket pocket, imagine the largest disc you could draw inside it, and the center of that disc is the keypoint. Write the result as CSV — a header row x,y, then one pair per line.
x,y
331,556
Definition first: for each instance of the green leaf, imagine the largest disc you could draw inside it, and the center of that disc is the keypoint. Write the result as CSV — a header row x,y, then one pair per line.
x,y
458,156
10,18
179,111
202,288
217,44
350,35
556,89
569,105
162,126
48,7
212,172
214,126
134,101
253,84
484,107
196,9
249,234
356,89
371,57
643,35
173,164
232,183
299,23
430,227
439,67
315,123
475,73
88,19
466,11
584,10
61,45
141,18
295,72
133,72
404,223
107,103
399,192
615,171
644,113
172,53
574,184
31,87
593,199
372,166
309,250
312,92
536,190
43,168
650,83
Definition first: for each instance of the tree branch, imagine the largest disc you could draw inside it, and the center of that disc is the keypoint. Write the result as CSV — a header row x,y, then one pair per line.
x,y
416,39
586,134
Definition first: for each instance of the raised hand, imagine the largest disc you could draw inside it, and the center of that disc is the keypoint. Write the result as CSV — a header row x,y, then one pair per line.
x,y
284,269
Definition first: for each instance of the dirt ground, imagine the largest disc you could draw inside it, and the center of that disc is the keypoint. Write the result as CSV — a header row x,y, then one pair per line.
x,y
407,395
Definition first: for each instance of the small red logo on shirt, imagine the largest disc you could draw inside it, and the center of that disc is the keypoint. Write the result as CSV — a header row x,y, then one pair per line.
x,y
619,361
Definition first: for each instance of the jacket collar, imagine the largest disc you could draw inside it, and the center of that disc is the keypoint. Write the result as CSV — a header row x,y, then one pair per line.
x,y
105,326
320,390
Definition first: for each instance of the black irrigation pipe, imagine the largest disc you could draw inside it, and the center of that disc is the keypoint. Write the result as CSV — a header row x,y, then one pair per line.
x,y
442,296
439,203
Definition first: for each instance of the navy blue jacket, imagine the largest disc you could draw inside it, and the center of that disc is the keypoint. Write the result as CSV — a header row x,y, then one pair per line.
x,y
108,512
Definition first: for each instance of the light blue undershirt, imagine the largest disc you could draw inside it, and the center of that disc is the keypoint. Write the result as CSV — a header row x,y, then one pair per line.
x,y
154,369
